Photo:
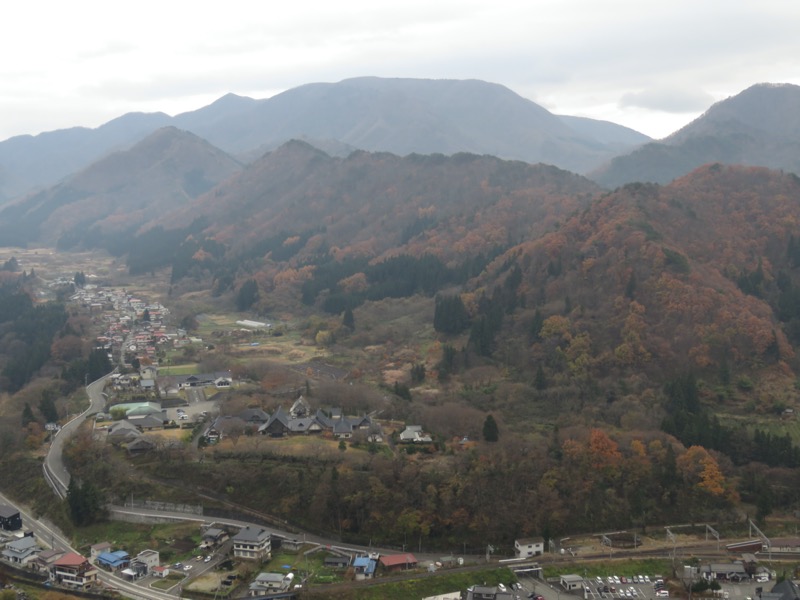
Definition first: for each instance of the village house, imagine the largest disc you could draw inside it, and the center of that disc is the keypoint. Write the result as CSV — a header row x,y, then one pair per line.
x,y
270,583
254,416
113,561
729,571
413,434
398,562
364,567
22,551
10,519
145,562
783,590
486,592
224,426
252,543
96,550
300,408
73,570
336,562
526,547
214,536
220,379
45,559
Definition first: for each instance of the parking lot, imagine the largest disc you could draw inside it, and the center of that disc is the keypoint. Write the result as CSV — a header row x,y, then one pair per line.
x,y
642,589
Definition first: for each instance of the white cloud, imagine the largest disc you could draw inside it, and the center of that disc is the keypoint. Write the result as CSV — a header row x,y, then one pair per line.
x,y
668,100
641,64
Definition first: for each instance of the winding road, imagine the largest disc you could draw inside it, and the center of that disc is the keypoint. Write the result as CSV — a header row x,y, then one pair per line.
x,y
55,473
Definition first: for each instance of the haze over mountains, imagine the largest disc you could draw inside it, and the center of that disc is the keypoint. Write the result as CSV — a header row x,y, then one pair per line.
x,y
401,116
759,127
119,192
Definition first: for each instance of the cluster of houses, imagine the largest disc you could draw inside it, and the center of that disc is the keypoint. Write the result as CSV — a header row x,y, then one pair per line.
x,y
358,568
132,327
148,381
21,549
299,419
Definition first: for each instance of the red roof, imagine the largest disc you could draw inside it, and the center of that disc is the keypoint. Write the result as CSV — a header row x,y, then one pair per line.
x,y
393,560
70,560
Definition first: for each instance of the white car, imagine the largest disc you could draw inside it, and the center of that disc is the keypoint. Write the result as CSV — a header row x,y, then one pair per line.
x,y
647,579
187,567
501,587
616,580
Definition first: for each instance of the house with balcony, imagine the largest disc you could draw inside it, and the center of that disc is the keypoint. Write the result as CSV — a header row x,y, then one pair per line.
x,y
73,570
252,543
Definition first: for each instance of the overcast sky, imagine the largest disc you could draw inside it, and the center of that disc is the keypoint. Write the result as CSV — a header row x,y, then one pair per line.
x,y
651,65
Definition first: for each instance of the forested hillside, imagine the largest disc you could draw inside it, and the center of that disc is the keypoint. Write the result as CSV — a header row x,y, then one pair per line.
x,y
758,127
107,202
299,216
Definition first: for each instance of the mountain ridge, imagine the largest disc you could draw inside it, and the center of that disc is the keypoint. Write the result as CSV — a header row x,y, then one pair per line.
x,y
119,192
757,127
402,116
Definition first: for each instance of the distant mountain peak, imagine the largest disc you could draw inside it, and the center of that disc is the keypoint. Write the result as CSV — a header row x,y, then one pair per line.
x,y
760,126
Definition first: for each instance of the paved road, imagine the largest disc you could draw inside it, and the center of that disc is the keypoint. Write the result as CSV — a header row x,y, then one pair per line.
x,y
55,472
50,535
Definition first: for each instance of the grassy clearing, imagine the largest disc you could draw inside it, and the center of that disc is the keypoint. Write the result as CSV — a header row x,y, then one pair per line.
x,y
769,423
171,369
440,583
627,567
169,581
211,582
173,542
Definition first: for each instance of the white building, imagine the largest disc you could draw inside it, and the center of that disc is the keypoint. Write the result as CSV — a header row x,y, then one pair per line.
x,y
526,547
252,543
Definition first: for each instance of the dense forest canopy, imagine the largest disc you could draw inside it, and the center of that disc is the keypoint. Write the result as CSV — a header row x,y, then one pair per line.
x,y
610,358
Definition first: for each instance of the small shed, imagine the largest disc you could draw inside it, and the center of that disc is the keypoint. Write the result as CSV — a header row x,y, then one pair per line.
x,y
398,562
337,562
571,582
